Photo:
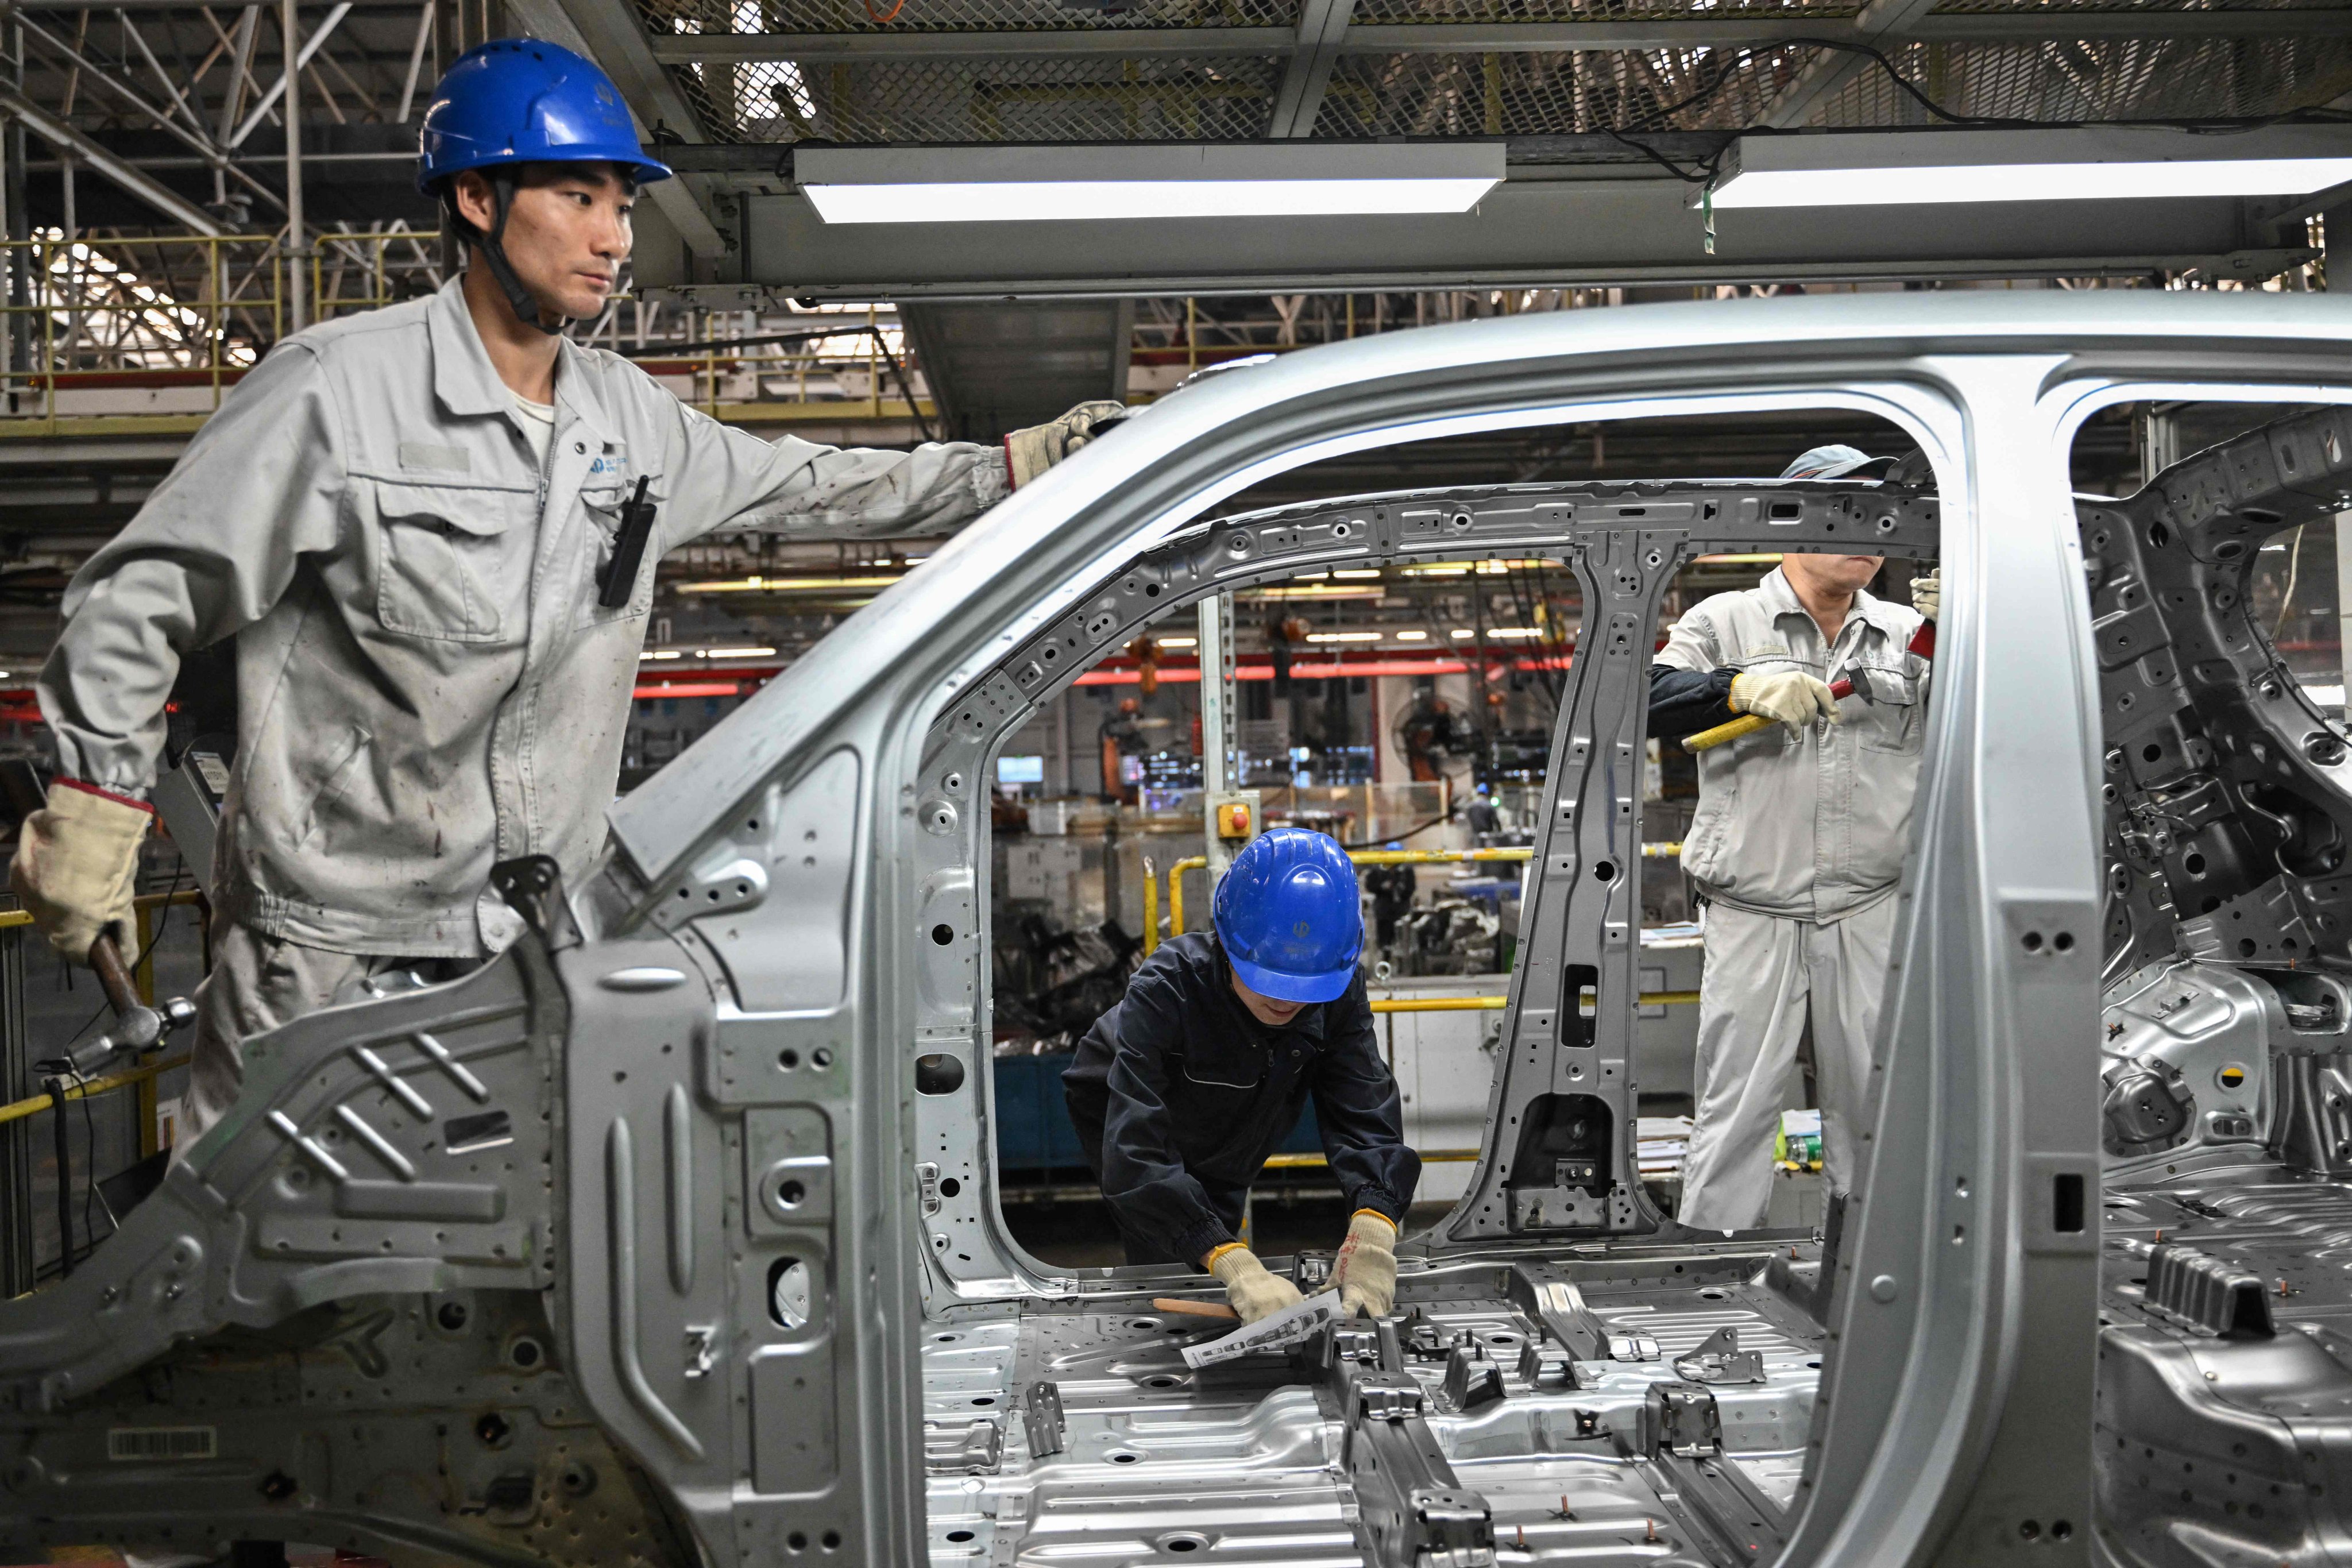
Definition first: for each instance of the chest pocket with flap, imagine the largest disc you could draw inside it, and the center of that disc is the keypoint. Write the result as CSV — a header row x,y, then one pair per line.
x,y
1891,722
453,562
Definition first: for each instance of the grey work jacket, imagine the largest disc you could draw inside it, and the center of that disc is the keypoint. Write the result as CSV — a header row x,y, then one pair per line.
x,y
1806,824
427,683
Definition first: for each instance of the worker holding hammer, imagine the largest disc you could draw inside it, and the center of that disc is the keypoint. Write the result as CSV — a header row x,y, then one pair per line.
x,y
1796,847
1180,1092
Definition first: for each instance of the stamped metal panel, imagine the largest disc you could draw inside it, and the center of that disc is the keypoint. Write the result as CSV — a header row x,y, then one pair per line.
x,y
1906,1441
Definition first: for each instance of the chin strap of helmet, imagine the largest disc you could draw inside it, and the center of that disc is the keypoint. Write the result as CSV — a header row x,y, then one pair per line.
x,y
494,251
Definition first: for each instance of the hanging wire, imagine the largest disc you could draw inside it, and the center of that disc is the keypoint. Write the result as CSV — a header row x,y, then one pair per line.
x,y
2294,571
1706,170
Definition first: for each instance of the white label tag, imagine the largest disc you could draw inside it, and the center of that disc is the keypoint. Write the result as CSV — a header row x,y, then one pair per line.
x,y
163,1443
216,771
1285,1329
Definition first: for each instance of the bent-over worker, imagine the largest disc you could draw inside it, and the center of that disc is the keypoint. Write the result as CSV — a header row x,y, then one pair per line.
x,y
1182,1091
405,519
1795,847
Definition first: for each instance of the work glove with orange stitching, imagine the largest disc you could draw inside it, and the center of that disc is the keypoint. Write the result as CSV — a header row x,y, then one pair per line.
x,y
1255,1293
1365,1273
1789,697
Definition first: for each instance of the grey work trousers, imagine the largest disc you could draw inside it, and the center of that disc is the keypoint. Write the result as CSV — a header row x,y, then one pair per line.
x,y
258,983
1763,974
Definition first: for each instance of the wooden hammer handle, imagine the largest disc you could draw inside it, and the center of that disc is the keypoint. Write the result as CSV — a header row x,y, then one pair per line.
x,y
1194,1309
113,975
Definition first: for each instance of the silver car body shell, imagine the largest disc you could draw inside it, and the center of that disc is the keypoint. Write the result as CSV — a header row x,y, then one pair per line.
x,y
708,1057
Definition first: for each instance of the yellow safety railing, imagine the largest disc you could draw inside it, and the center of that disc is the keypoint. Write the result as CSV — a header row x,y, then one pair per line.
x,y
143,975
1360,857
33,1105
1311,1162
181,318
337,259
1496,1003
176,334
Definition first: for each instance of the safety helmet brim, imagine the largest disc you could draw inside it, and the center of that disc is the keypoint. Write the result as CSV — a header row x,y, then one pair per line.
x,y
1324,988
645,169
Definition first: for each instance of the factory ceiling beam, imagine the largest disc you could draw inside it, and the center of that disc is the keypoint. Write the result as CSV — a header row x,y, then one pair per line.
x,y
66,138
1299,101
608,32
307,50
1493,37
1881,21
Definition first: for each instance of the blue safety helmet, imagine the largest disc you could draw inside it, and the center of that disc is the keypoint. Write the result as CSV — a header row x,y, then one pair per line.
x,y
1288,916
524,101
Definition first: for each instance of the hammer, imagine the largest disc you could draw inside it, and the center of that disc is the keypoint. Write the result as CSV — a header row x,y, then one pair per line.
x,y
1923,643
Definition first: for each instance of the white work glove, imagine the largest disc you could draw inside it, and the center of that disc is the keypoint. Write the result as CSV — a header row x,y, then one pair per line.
x,y
1927,594
77,858
1254,1292
1028,452
1365,1273
1788,696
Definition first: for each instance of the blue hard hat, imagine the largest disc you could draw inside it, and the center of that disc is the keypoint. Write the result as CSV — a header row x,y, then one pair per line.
x,y
525,101
1288,916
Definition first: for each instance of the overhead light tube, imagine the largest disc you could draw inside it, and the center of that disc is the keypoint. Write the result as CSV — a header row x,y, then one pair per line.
x,y
884,184
1925,168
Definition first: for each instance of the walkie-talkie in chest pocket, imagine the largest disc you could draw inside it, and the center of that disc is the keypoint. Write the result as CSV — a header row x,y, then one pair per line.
x,y
616,579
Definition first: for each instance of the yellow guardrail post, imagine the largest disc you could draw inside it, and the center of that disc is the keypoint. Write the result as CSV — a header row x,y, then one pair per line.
x,y
1151,908
1176,890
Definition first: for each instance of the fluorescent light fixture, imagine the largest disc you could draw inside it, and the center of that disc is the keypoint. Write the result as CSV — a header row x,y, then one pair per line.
x,y
1461,634
1412,637
1011,185
660,653
1177,642
1900,168
739,653
1343,636
1368,572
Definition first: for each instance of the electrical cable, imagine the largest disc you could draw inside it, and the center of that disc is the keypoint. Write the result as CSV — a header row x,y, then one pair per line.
x,y
1417,828
61,1144
1711,168
61,1067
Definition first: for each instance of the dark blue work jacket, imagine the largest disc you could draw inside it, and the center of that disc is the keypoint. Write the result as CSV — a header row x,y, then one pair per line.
x,y
1179,1095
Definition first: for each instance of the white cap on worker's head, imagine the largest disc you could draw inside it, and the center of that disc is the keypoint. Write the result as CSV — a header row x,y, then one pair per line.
x,y
1837,463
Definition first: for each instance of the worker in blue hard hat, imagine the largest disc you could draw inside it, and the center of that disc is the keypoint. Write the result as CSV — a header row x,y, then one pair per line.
x,y
430,532
1181,1091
